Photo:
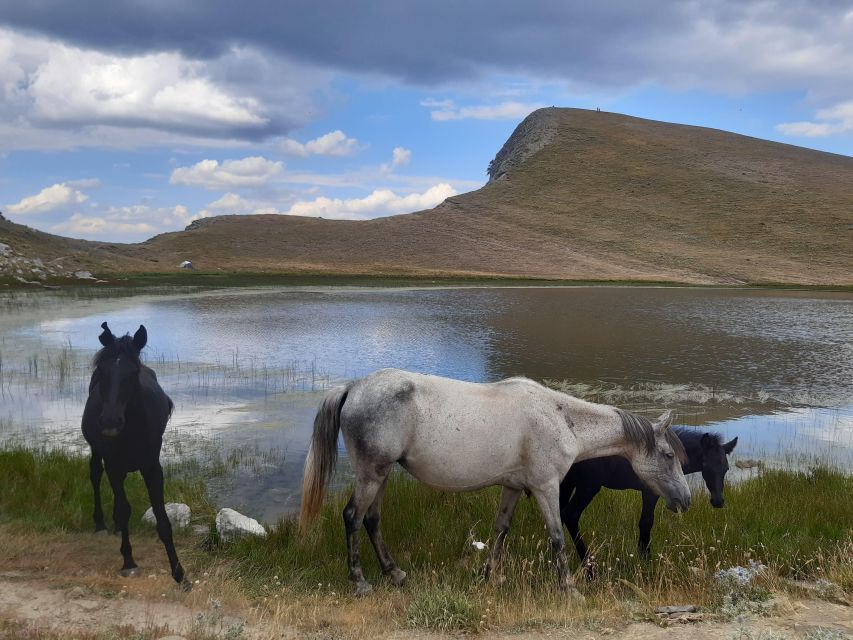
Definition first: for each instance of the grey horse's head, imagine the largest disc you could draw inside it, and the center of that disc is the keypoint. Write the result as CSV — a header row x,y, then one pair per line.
x,y
656,457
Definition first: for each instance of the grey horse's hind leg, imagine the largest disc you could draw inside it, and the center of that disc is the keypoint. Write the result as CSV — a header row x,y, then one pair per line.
x,y
367,486
371,524
549,502
509,500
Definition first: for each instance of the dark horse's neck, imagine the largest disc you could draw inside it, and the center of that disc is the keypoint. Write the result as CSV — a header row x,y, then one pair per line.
x,y
692,441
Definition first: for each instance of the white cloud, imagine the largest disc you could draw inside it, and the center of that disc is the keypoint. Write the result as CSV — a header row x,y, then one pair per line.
x,y
135,222
400,156
231,202
382,202
836,119
444,110
254,171
58,96
159,89
334,143
48,199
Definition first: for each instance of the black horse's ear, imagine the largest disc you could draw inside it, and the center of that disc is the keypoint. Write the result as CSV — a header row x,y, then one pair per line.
x,y
730,446
706,441
107,337
140,338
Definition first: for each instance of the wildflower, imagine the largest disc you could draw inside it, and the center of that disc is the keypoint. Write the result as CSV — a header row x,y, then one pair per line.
x,y
479,545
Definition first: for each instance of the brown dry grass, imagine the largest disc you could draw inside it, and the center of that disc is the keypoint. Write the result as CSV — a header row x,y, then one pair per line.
x,y
609,198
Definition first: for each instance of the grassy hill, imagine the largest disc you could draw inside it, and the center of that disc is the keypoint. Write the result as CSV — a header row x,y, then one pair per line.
x,y
573,194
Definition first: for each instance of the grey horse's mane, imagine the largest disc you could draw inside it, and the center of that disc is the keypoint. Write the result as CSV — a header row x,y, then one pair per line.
x,y
640,431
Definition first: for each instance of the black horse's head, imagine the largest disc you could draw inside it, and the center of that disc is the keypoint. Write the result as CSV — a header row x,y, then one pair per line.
x,y
117,368
715,465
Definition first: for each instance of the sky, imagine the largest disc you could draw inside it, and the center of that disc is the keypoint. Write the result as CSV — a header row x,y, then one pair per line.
x,y
122,119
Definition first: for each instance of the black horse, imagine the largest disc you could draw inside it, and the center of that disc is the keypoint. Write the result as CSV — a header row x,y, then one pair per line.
x,y
705,452
123,422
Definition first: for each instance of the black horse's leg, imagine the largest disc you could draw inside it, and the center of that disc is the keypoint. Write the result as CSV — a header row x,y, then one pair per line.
x,y
96,470
509,500
121,516
371,524
153,477
647,521
571,516
369,480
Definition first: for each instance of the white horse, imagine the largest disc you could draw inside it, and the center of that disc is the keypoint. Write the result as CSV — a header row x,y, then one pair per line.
x,y
462,436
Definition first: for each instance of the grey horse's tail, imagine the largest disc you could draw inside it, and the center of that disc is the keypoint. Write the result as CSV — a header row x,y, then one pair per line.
x,y
322,456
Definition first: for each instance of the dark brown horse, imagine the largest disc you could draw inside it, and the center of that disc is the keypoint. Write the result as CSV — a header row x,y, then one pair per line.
x,y
123,422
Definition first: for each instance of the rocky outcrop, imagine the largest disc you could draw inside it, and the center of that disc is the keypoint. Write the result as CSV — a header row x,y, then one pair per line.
x,y
534,132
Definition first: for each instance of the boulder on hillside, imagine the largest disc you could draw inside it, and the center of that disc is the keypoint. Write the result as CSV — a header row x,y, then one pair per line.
x,y
231,524
178,513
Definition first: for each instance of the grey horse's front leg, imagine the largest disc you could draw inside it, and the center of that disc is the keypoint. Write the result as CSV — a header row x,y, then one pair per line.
x,y
549,502
509,500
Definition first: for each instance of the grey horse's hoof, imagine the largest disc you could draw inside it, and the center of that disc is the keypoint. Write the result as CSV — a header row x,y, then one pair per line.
x,y
397,576
363,589
129,573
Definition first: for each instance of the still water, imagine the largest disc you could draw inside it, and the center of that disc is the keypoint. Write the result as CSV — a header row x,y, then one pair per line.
x,y
247,367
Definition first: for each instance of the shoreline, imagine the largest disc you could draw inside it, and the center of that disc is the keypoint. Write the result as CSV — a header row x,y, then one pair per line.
x,y
255,279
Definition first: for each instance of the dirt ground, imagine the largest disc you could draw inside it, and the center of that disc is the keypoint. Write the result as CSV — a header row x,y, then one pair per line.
x,y
51,592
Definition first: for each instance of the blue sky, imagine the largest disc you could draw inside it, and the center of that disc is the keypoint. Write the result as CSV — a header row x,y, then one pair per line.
x,y
121,120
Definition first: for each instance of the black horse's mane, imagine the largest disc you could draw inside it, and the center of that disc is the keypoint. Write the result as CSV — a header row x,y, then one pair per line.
x,y
120,347
691,435
640,431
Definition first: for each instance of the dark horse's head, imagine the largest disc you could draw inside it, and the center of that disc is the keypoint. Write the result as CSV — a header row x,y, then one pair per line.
x,y
715,464
117,369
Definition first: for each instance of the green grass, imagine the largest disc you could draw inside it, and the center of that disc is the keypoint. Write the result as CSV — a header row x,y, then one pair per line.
x,y
51,491
785,520
799,524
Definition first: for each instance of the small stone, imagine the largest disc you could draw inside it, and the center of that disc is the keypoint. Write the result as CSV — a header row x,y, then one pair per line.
x,y
201,529
681,608
231,524
178,513
83,275
88,605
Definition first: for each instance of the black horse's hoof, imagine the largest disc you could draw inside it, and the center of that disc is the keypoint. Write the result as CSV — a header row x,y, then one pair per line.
x,y
102,532
129,572
186,585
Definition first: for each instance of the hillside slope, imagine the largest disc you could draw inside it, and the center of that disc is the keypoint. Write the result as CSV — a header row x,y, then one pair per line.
x,y
574,194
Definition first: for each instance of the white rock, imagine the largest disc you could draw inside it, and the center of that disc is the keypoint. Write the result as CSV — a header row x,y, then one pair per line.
x,y
178,513
83,275
5,249
230,524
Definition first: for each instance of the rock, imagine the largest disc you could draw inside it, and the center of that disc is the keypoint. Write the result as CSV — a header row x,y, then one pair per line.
x,y
749,463
186,264
5,249
230,525
685,608
201,529
83,275
179,515
88,605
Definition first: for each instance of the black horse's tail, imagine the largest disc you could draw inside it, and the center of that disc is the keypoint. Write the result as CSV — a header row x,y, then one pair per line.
x,y
322,457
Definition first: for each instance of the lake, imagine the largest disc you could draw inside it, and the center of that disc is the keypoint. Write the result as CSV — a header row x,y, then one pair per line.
x,y
247,367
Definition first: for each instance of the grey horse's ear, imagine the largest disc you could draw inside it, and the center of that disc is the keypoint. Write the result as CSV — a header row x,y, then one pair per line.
x,y
140,338
107,337
730,446
665,421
